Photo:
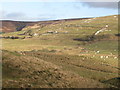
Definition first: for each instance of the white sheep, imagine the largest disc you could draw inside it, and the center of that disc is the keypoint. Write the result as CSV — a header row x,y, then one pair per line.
x,y
35,34
115,57
106,26
106,56
98,51
101,56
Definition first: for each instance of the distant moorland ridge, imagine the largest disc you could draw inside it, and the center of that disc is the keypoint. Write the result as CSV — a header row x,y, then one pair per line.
x,y
12,26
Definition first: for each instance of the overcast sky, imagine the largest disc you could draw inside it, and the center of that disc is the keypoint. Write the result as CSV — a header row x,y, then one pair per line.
x,y
40,11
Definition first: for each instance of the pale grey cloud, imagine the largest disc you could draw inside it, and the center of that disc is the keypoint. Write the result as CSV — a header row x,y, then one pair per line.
x,y
14,16
17,16
110,5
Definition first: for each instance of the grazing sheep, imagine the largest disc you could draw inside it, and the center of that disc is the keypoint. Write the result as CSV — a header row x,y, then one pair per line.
x,y
35,34
98,51
106,56
106,26
115,57
101,56
56,32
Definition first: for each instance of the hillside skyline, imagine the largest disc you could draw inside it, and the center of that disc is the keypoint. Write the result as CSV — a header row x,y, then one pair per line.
x,y
43,11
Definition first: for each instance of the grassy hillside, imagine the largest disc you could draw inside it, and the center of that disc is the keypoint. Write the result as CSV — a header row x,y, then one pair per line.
x,y
68,53
27,71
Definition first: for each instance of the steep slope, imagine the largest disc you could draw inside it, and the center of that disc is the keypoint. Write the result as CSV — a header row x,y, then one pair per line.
x,y
12,26
31,72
